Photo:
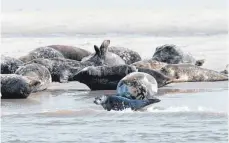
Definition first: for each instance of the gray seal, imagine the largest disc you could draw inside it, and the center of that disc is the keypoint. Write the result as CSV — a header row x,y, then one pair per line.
x,y
172,54
9,65
42,52
103,77
16,86
37,72
128,55
191,73
149,64
103,57
71,52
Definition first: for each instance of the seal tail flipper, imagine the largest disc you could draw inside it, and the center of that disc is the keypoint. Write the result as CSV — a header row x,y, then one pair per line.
x,y
200,62
104,47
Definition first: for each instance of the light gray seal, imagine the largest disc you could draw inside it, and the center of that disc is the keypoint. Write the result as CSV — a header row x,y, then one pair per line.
x,y
191,73
172,54
103,57
37,72
128,55
149,64
16,86
9,64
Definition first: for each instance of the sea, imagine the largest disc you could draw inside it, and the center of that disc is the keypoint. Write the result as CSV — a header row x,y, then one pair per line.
x,y
195,112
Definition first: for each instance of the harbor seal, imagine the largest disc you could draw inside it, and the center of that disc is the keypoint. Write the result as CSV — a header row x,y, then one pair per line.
x,y
172,54
42,52
149,64
103,57
129,56
103,77
138,85
9,65
16,86
119,103
191,73
37,72
71,52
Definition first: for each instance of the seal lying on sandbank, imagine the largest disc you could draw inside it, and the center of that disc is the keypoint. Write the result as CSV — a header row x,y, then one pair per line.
x,y
119,103
9,65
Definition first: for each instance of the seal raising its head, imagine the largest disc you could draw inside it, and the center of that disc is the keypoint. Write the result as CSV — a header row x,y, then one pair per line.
x,y
119,103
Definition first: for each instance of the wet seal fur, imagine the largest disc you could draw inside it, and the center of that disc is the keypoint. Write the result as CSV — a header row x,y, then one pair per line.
x,y
16,86
103,57
71,52
103,77
191,73
119,103
138,85
129,56
37,72
171,54
149,64
9,64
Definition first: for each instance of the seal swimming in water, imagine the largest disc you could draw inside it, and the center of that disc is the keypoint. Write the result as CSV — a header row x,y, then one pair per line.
x,y
103,57
149,64
191,73
37,72
42,52
171,54
129,56
16,86
103,77
119,103
71,52
138,85
9,65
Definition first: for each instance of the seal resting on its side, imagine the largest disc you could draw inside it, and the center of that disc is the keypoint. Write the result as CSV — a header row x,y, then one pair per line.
x,y
171,54
119,103
103,57
149,64
16,86
71,52
191,73
9,65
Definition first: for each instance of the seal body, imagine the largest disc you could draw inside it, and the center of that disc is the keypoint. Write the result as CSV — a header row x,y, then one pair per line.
x,y
103,57
119,103
103,77
42,52
138,85
16,86
37,72
149,64
171,54
9,65
71,52
191,73
129,56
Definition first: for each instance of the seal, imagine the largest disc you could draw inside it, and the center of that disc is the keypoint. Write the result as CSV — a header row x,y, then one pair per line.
x,y
128,55
103,77
16,86
71,52
119,103
9,65
138,85
171,54
225,71
191,73
37,72
42,52
149,64
103,57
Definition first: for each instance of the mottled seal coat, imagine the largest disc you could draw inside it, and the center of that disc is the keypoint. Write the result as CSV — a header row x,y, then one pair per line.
x,y
225,71
103,57
129,56
149,64
103,77
191,73
9,65
139,85
37,72
16,86
71,52
42,52
119,103
172,54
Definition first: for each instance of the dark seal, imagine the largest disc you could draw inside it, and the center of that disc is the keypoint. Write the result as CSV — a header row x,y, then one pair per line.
x,y
9,65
